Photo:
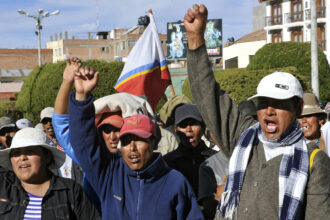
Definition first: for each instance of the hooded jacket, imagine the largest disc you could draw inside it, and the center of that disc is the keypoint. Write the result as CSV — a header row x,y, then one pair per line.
x,y
156,192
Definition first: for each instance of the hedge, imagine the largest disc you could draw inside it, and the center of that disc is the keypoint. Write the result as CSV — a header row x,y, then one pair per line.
x,y
277,55
242,83
41,86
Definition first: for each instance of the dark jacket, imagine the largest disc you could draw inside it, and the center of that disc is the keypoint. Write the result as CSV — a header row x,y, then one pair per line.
x,y
187,161
156,192
64,199
259,196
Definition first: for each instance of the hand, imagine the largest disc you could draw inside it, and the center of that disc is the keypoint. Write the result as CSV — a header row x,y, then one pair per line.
x,y
85,80
195,22
72,66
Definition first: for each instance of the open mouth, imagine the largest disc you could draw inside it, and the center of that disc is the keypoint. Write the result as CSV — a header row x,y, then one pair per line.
x,y
24,166
270,126
134,158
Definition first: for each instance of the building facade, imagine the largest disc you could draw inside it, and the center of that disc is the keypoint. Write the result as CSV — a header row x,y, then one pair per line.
x,y
290,20
109,46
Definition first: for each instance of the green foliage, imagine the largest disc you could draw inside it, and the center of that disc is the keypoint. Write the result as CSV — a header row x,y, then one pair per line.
x,y
7,108
240,84
294,54
41,86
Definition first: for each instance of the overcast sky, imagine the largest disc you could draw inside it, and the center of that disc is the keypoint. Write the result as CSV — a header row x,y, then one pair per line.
x,y
78,17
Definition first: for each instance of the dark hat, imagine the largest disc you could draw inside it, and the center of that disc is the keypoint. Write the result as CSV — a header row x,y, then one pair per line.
x,y
187,111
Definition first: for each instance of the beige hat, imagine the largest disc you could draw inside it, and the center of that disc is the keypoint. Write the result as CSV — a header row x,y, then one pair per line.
x,y
32,137
311,105
46,113
166,111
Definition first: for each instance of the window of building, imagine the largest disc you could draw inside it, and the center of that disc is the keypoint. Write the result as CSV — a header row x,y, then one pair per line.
x,y
59,51
321,37
297,35
276,36
55,52
231,63
320,8
296,10
103,49
116,49
131,43
276,13
123,45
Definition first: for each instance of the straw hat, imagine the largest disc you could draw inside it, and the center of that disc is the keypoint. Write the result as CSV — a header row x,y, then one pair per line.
x,y
32,137
311,105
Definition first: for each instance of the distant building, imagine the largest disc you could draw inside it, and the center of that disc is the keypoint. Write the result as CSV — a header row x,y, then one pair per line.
x,y
287,20
258,15
109,46
16,64
239,53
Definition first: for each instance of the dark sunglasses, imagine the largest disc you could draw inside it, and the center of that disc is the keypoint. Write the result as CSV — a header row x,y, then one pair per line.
x,y
6,130
46,120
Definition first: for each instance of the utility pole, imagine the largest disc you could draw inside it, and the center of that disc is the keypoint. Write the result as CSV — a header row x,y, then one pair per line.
x,y
314,50
41,14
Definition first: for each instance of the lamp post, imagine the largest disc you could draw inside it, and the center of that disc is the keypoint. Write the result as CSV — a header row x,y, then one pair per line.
x,y
41,15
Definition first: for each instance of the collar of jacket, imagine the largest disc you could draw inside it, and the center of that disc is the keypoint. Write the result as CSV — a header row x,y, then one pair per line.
x,y
152,172
55,184
201,149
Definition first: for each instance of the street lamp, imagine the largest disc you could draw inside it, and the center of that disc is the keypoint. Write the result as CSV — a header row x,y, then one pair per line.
x,y
41,14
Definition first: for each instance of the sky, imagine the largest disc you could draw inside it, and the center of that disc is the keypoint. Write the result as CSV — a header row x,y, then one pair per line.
x,y
77,17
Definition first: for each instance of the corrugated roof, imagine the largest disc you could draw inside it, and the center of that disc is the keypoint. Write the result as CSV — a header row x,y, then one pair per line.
x,y
254,36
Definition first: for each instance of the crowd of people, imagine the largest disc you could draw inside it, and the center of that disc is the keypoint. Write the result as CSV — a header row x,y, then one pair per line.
x,y
114,158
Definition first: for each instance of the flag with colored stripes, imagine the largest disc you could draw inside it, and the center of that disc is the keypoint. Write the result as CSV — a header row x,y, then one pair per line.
x,y
145,72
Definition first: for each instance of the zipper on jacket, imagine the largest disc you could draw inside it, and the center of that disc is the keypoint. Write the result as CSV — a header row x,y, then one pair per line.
x,y
138,201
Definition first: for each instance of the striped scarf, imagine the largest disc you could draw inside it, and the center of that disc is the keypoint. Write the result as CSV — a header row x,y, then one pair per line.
x,y
292,176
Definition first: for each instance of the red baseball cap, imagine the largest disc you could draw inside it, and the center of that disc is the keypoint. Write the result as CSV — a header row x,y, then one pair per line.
x,y
139,125
111,118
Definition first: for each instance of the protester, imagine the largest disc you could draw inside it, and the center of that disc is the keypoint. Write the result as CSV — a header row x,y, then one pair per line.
x,y
192,151
269,176
137,185
7,131
212,177
46,120
312,119
109,111
31,191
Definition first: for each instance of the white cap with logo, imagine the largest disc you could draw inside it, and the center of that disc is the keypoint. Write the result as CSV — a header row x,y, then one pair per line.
x,y
279,85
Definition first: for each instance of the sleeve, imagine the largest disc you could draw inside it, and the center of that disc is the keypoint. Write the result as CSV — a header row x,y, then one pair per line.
x,y
207,183
219,112
187,207
95,159
62,132
318,189
84,208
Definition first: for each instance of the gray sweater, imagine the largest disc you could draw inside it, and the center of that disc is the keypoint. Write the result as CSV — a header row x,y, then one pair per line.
x,y
259,198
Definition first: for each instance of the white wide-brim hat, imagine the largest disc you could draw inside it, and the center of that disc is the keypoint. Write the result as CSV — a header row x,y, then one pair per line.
x,y
279,85
32,137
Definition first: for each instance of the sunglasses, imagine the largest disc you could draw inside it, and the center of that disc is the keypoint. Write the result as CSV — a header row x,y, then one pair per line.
x,y
6,130
46,120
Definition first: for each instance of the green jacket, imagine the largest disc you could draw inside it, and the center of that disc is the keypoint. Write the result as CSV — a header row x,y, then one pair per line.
x,y
259,195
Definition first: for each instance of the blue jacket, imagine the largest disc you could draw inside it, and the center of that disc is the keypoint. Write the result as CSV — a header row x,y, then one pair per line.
x,y
61,128
157,192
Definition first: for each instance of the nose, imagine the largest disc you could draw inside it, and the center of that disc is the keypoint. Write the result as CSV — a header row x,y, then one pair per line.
x,y
270,110
132,146
113,136
188,128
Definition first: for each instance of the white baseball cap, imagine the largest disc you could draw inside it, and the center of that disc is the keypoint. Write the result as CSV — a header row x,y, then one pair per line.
x,y
27,137
23,123
279,85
